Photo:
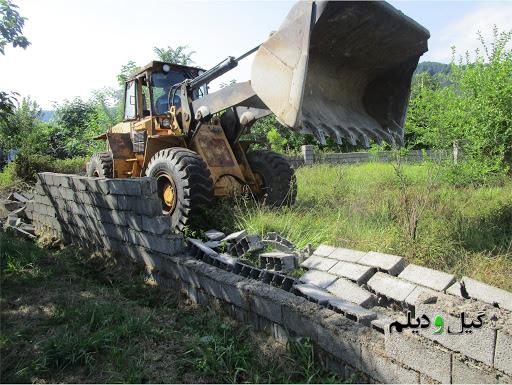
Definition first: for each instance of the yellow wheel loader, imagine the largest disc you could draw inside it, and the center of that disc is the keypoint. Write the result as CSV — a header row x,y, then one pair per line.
x,y
337,69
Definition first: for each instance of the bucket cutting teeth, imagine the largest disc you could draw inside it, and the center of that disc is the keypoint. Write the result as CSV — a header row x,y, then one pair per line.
x,y
341,69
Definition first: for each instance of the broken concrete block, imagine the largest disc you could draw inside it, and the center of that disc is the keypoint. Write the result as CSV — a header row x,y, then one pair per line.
x,y
235,236
433,279
392,264
357,273
214,235
488,294
391,287
324,250
278,261
278,242
318,263
7,206
347,255
318,278
246,244
351,292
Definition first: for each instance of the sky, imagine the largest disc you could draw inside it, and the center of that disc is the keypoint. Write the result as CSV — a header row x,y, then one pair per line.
x,y
78,46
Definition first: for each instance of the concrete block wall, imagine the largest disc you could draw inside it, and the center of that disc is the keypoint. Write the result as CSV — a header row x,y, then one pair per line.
x,y
351,336
110,214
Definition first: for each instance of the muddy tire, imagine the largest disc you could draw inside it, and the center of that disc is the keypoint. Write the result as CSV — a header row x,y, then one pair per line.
x,y
277,180
100,165
184,185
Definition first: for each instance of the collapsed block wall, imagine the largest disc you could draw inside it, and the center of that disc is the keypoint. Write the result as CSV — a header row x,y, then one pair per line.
x,y
124,216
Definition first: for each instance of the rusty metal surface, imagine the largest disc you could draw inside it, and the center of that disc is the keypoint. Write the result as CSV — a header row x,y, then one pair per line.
x,y
120,145
341,69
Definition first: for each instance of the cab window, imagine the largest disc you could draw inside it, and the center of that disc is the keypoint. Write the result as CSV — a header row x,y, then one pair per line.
x,y
130,103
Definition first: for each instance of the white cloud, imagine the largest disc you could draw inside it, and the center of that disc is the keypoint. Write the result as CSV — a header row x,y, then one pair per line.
x,y
463,33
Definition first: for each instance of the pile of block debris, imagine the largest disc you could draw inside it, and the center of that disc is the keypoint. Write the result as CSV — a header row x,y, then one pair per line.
x,y
275,256
13,214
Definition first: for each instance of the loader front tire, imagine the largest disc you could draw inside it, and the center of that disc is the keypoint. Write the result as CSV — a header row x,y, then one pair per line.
x,y
276,178
100,165
184,184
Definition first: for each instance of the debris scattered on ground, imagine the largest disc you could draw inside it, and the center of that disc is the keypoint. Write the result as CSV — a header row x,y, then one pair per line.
x,y
13,214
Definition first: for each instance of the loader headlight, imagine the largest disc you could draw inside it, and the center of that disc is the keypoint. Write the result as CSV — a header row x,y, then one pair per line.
x,y
166,123
166,67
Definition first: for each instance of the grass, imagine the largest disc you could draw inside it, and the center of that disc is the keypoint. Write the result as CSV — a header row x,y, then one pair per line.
x,y
71,316
412,212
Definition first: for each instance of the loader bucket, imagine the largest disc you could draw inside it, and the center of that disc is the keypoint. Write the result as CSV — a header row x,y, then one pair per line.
x,y
341,69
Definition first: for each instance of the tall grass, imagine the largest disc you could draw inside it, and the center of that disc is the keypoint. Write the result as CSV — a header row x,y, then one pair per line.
x,y
407,211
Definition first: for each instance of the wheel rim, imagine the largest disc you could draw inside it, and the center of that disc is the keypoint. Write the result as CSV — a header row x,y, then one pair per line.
x,y
166,192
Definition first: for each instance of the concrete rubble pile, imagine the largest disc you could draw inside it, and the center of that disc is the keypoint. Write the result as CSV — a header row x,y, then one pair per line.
x,y
14,215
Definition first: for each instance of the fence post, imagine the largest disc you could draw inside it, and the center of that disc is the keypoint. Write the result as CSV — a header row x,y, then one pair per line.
x,y
308,154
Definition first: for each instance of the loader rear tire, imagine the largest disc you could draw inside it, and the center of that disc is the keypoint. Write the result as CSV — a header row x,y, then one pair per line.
x,y
184,184
278,185
100,165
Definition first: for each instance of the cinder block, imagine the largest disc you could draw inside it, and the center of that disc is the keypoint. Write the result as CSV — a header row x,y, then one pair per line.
x,y
340,337
324,250
149,206
352,311
133,221
420,354
418,292
433,279
314,294
392,264
390,287
201,246
129,186
377,365
347,255
235,236
487,293
148,186
267,308
468,371
503,353
157,225
357,273
349,291
304,318
318,263
318,278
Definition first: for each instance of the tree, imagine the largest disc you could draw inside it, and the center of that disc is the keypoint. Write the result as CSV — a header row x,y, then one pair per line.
x,y
178,55
20,124
11,26
474,106
127,70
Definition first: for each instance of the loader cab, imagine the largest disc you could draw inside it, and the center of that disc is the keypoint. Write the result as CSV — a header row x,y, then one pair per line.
x,y
147,92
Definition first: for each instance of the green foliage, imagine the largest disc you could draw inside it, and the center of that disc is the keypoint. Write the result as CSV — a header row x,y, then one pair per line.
x,y
178,55
127,70
22,123
472,104
277,142
11,32
11,26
